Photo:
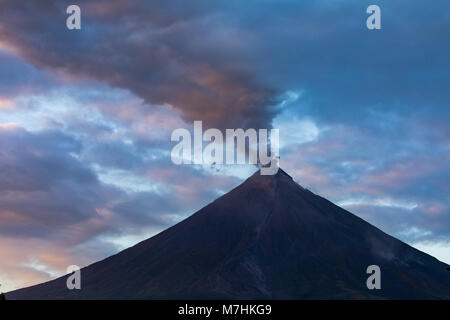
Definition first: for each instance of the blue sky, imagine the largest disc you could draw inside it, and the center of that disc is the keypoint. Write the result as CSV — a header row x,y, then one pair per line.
x,y
86,117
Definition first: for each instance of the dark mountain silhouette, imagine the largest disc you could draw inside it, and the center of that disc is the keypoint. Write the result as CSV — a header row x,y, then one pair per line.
x,y
269,238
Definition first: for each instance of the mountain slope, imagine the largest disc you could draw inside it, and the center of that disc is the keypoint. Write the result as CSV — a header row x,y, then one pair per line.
x,y
269,238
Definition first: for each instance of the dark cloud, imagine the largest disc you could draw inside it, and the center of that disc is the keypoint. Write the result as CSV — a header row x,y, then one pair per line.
x,y
47,192
18,77
43,186
225,63
153,52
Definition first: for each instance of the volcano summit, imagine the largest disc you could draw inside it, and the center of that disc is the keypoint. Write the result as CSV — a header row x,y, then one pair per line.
x,y
269,238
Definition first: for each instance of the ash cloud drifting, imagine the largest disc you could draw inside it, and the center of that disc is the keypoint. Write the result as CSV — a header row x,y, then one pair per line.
x,y
164,56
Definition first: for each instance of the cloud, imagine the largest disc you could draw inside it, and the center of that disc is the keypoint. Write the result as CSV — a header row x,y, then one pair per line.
x,y
227,65
52,201
19,78
398,185
161,58
44,189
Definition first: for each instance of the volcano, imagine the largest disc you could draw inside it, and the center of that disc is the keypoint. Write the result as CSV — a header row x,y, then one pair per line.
x,y
269,238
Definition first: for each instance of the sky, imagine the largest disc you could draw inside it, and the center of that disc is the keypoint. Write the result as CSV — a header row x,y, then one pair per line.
x,y
86,117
